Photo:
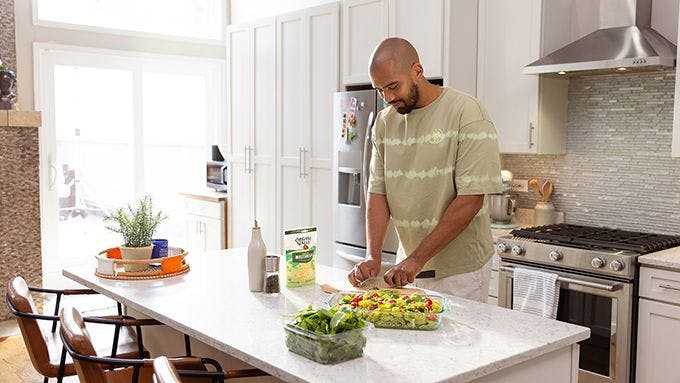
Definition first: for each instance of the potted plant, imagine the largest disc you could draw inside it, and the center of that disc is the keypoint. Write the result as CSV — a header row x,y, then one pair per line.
x,y
137,225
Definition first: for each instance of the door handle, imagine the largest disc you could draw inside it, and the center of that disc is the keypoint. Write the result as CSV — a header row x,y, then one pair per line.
x,y
595,285
53,176
304,162
300,171
366,158
531,135
245,159
669,287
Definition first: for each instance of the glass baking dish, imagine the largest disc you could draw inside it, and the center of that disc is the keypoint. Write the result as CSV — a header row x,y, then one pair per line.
x,y
391,309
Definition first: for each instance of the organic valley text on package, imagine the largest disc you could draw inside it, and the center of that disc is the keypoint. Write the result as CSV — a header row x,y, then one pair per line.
x,y
300,256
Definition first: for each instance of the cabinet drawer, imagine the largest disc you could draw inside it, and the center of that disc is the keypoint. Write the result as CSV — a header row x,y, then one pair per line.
x,y
660,284
205,208
493,284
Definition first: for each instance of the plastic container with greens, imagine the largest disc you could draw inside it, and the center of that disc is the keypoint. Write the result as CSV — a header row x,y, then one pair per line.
x,y
391,309
326,336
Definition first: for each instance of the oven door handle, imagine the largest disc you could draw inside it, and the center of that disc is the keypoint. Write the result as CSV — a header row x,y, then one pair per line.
x,y
595,285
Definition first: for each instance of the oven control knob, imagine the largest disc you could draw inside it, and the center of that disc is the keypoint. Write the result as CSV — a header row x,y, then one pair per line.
x,y
617,265
555,255
517,250
502,248
598,262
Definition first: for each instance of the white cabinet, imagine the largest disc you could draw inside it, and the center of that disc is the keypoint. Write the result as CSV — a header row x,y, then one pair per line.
x,y
529,111
367,22
658,343
206,227
252,122
307,76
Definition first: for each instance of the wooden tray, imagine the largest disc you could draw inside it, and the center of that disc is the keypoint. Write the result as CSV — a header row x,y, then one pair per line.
x,y
110,265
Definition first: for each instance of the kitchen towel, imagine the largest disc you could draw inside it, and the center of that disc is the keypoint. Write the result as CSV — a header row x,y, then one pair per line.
x,y
535,292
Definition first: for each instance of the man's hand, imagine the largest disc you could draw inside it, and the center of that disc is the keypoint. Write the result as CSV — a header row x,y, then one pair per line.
x,y
364,270
403,272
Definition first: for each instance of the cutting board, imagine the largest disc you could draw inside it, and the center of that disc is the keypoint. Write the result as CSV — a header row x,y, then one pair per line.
x,y
344,285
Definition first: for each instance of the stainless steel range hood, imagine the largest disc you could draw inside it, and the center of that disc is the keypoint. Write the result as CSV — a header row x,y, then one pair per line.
x,y
612,50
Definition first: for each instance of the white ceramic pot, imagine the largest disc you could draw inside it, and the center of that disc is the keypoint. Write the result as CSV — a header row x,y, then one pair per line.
x,y
136,253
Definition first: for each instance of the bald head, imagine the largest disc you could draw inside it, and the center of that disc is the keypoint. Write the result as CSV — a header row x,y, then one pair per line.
x,y
396,52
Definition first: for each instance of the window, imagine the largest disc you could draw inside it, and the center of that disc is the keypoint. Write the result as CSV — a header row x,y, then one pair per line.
x,y
197,19
118,125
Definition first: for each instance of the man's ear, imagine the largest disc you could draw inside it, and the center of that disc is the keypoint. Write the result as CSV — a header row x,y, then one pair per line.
x,y
417,71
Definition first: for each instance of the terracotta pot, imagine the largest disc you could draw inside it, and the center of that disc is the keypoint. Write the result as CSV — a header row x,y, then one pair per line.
x,y
136,253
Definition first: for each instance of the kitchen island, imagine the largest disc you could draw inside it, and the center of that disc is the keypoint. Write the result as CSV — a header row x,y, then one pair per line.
x,y
476,342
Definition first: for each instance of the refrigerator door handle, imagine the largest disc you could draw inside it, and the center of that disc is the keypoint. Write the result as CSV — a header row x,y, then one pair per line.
x,y
366,160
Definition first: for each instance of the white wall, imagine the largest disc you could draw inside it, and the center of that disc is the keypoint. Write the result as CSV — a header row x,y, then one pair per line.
x,y
27,34
248,10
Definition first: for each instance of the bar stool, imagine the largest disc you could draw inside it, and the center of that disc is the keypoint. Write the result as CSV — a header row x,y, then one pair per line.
x,y
91,368
115,335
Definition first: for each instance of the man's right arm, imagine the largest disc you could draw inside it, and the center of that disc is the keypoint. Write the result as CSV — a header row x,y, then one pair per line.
x,y
377,219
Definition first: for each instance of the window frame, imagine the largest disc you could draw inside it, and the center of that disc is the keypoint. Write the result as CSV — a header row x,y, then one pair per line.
x,y
130,33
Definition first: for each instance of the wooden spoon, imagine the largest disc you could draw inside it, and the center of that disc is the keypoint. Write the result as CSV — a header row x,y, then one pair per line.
x,y
547,190
534,186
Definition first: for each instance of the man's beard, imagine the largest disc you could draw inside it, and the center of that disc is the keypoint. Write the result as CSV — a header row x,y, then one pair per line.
x,y
410,102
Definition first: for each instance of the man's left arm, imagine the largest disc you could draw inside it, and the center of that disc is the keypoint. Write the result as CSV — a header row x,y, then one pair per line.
x,y
455,219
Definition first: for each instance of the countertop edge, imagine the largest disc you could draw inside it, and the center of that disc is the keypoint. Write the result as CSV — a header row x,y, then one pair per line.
x,y
206,196
667,259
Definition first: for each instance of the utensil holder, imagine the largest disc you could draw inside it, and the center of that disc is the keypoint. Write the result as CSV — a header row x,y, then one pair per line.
x,y
544,213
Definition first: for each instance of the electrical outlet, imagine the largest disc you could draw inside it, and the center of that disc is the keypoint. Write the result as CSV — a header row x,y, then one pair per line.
x,y
520,186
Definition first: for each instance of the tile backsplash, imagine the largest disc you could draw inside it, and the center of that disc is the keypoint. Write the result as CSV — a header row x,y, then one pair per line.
x,y
618,170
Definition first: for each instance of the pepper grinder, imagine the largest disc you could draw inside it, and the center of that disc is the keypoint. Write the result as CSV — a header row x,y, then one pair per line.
x,y
271,276
256,254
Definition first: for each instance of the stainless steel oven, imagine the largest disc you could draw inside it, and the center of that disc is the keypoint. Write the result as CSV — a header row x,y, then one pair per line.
x,y
598,278
604,305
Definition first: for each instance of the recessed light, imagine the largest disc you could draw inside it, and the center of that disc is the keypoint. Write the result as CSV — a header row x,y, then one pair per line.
x,y
622,68
561,72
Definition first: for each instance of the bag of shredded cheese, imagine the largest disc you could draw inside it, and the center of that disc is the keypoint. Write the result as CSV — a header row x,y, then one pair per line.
x,y
300,256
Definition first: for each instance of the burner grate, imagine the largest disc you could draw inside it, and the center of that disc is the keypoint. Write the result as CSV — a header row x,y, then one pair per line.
x,y
598,237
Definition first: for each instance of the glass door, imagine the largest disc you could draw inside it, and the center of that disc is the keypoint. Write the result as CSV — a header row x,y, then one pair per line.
x,y
116,126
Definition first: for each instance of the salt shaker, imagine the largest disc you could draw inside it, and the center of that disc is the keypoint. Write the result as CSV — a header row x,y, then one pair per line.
x,y
271,275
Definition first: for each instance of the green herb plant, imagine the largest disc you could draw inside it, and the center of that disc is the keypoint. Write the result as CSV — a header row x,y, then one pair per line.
x,y
136,224
2,65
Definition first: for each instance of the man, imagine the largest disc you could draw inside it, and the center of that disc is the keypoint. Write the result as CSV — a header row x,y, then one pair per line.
x,y
435,157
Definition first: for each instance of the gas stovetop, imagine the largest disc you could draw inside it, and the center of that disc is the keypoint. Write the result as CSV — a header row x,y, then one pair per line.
x,y
594,250
586,237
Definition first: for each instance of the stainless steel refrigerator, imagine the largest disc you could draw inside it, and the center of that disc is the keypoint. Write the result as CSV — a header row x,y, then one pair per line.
x,y
354,114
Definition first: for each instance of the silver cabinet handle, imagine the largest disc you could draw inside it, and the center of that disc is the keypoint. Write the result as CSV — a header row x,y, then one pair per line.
x,y
531,135
669,287
251,166
301,161
245,159
304,162
599,286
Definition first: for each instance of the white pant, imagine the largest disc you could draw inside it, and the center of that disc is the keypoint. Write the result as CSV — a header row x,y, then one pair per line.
x,y
473,285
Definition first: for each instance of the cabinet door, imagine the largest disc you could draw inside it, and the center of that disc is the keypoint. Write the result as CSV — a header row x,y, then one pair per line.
x,y
421,23
323,41
292,121
240,90
658,342
240,205
364,25
264,129
213,234
509,39
195,239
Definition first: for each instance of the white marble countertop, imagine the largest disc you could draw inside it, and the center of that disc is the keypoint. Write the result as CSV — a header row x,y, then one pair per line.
x,y
668,259
212,303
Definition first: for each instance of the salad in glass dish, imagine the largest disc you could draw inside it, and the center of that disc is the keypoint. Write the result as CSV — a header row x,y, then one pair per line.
x,y
391,309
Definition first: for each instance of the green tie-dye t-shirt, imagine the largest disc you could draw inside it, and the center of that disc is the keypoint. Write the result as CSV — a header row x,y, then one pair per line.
x,y
422,160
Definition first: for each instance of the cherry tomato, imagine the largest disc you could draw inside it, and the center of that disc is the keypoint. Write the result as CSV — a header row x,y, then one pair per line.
x,y
432,317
